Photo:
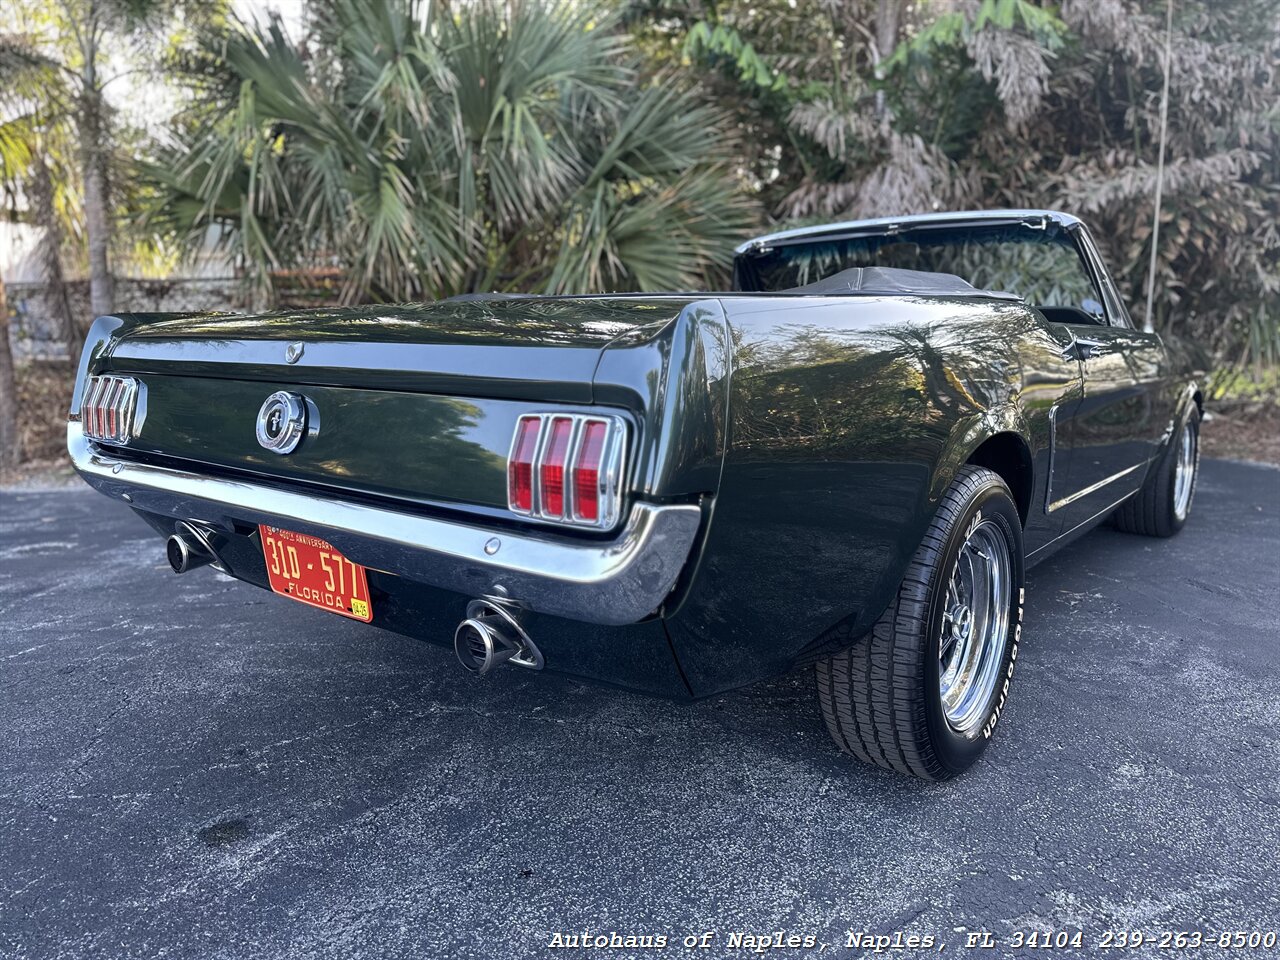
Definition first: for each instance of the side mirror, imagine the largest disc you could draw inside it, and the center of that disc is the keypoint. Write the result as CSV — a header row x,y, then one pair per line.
x,y
1092,307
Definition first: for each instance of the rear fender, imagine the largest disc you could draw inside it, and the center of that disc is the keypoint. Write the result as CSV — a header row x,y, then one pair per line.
x,y
1186,399
104,332
675,377
970,433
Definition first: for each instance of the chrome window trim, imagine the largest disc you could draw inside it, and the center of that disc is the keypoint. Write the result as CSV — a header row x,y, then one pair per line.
x,y
1112,304
836,231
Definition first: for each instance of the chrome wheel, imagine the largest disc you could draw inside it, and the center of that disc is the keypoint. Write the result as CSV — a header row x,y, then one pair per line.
x,y
975,626
1184,472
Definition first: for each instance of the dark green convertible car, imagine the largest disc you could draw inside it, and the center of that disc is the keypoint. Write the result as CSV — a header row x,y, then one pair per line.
x,y
848,461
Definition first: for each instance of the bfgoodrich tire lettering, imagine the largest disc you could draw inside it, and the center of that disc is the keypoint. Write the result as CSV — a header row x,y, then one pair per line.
x,y
882,697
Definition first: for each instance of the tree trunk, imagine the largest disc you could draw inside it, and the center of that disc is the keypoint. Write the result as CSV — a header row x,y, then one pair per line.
x,y
888,22
10,439
56,300
93,158
97,218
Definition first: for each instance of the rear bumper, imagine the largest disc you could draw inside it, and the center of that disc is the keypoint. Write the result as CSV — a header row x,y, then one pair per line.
x,y
615,582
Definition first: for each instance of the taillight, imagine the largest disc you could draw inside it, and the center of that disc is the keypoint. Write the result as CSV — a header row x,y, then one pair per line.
x,y
567,468
520,466
551,473
111,408
586,471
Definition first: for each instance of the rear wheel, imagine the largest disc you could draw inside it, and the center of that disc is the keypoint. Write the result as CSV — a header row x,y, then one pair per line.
x,y
1161,507
923,691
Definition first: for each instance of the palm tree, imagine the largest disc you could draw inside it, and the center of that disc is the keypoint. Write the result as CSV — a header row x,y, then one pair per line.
x,y
35,144
38,175
10,439
89,20
52,87
502,147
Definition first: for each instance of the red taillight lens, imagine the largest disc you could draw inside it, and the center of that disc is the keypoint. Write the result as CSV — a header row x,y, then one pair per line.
x,y
520,469
109,408
553,463
586,473
113,397
568,468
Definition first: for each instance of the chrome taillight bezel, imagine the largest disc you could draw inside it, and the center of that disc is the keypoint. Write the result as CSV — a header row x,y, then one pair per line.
x,y
610,486
112,408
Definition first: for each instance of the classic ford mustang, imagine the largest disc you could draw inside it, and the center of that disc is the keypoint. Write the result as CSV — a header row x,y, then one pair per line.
x,y
847,461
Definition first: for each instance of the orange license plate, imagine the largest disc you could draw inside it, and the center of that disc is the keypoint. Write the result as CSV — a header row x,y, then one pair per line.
x,y
310,570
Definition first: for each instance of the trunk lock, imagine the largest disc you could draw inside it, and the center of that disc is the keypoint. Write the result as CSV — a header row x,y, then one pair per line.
x,y
282,422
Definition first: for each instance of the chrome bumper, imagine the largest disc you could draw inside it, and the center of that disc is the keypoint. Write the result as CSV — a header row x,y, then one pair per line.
x,y
616,582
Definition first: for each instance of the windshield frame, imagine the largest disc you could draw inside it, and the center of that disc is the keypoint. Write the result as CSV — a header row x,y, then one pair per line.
x,y
1072,230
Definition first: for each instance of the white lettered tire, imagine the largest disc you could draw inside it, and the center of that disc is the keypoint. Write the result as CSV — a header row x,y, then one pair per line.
x,y
923,692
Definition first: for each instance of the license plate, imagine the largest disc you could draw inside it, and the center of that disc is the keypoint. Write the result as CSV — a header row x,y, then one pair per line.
x,y
311,571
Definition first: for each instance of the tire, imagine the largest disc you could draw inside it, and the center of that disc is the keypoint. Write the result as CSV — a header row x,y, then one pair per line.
x,y
882,698
1161,506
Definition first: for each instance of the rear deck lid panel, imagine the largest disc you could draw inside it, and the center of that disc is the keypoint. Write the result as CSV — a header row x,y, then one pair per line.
x,y
393,443
530,348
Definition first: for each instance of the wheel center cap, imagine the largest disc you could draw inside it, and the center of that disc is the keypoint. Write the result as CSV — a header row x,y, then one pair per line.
x,y
961,621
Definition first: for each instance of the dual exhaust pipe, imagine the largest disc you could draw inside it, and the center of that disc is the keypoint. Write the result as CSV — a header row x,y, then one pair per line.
x,y
189,547
490,636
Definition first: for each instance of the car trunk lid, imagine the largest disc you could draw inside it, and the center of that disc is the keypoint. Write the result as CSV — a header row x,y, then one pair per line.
x,y
416,402
531,348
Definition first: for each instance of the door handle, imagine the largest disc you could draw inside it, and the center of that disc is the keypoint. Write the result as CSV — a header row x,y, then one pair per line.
x,y
1081,348
1069,351
1086,348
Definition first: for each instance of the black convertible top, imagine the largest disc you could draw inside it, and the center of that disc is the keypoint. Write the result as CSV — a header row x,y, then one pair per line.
x,y
888,280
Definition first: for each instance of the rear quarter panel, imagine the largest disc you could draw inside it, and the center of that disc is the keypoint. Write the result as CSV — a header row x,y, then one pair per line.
x,y
848,418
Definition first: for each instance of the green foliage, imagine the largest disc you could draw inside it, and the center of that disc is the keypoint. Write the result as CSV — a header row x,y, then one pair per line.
x,y
956,27
890,107
37,125
56,62
514,148
711,40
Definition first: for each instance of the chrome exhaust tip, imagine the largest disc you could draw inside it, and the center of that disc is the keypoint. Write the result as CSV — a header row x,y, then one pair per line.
x,y
184,555
190,547
491,635
479,647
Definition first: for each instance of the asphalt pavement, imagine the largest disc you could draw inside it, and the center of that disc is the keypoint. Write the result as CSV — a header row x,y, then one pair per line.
x,y
192,767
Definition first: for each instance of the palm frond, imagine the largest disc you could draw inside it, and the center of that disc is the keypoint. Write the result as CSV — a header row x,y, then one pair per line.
x,y
505,146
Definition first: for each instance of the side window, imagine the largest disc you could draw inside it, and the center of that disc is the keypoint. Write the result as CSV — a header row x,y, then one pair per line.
x,y
1089,304
1047,268
1053,268
1066,289
1115,311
